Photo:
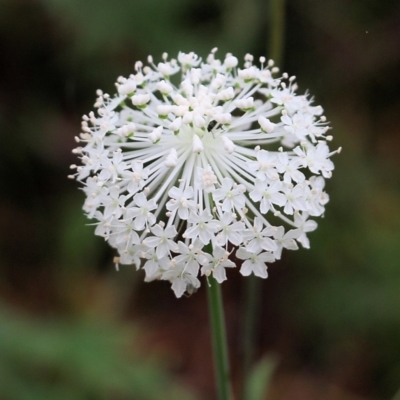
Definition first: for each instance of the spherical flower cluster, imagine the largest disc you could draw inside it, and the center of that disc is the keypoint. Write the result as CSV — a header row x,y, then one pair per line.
x,y
182,177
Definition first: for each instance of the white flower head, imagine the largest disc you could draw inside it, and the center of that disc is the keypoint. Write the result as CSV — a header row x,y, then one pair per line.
x,y
179,177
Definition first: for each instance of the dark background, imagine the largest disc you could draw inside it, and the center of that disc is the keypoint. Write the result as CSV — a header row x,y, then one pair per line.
x,y
72,328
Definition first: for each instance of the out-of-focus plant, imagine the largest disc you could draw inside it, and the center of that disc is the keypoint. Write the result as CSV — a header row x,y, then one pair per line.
x,y
155,26
80,358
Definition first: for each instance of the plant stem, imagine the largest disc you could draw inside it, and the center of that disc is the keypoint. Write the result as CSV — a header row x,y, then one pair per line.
x,y
277,30
220,347
251,310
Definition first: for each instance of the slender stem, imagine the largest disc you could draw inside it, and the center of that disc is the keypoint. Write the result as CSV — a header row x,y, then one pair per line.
x,y
251,310
220,347
277,30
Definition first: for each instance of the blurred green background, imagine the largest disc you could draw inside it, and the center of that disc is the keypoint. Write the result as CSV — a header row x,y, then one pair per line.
x,y
71,327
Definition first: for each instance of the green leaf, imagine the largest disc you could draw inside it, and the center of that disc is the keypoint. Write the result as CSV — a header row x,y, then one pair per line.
x,y
397,396
259,379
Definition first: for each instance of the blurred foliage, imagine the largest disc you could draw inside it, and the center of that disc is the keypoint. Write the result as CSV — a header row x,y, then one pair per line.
x,y
259,379
155,26
334,309
72,359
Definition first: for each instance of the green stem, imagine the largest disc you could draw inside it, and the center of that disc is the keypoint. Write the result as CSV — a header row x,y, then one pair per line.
x,y
251,310
220,347
277,30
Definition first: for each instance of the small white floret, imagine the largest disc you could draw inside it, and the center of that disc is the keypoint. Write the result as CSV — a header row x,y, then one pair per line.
x,y
197,144
140,99
266,125
172,159
229,146
155,135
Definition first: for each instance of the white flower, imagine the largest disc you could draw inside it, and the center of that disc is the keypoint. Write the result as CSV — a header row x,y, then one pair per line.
x,y
295,198
316,158
266,125
190,256
141,214
245,104
305,226
206,178
289,168
254,262
268,194
136,177
178,176
140,100
113,203
156,134
124,236
230,230
104,226
154,264
131,255
316,198
112,168
231,194
265,166
203,227
95,195
182,276
216,264
259,239
162,241
180,201
285,240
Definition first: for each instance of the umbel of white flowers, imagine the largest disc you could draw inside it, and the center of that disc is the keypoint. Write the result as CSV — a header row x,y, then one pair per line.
x,y
226,162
